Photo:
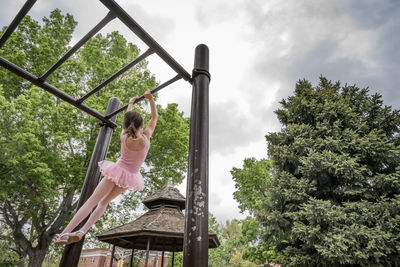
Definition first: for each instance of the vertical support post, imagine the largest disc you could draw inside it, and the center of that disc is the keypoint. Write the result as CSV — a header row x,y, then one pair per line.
x,y
133,253
146,264
162,259
195,245
70,257
112,256
173,258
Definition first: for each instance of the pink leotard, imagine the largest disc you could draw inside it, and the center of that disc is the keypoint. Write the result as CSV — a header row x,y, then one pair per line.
x,y
125,172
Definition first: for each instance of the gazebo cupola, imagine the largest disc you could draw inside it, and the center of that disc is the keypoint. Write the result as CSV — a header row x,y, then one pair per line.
x,y
168,197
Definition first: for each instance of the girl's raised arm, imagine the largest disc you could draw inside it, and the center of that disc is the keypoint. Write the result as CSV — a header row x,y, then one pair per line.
x,y
154,115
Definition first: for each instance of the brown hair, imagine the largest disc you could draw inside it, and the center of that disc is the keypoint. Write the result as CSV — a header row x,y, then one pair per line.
x,y
132,121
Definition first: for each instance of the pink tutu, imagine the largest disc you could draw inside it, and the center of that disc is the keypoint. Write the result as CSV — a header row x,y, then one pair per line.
x,y
120,176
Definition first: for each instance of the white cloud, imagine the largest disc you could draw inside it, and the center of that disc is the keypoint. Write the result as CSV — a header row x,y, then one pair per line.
x,y
230,128
357,45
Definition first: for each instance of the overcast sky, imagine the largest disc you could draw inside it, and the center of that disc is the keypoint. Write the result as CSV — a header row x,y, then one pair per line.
x,y
259,49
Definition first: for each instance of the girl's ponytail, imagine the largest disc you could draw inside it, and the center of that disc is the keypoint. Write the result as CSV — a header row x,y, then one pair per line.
x,y
132,122
132,130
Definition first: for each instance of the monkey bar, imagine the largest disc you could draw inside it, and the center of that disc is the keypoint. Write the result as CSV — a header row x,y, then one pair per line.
x,y
115,11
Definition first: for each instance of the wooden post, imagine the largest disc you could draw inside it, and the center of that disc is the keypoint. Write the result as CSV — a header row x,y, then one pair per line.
x,y
133,251
146,264
173,258
162,259
112,256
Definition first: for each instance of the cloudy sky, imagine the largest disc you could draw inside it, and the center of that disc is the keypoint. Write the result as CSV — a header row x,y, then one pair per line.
x,y
258,50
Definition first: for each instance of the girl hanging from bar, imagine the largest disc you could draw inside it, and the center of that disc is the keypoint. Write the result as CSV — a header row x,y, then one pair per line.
x,y
118,176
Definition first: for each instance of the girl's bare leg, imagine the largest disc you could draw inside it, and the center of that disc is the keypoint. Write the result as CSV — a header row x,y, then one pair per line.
x,y
101,207
104,188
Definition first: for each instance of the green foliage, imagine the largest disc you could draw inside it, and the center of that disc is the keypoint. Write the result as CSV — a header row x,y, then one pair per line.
x,y
8,257
250,183
178,260
238,261
333,198
255,249
229,237
229,253
251,191
168,152
47,143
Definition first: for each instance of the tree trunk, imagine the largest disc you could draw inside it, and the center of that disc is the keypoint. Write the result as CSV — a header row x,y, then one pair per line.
x,y
36,258
21,262
22,258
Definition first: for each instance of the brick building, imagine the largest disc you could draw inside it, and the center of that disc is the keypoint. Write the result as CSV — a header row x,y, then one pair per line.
x,y
95,257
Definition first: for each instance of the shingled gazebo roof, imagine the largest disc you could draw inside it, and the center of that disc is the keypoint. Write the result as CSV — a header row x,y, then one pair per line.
x,y
166,195
163,225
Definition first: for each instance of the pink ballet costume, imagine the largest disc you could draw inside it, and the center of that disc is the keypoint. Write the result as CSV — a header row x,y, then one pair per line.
x,y
125,173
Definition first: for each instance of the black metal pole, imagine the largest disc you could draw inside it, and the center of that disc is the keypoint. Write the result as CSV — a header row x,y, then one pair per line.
x,y
145,37
51,89
195,244
118,73
21,14
158,88
70,257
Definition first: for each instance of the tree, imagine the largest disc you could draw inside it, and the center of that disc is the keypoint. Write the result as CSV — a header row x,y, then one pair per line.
x,y
47,143
229,237
251,191
251,184
230,249
7,257
229,253
333,198
178,259
238,261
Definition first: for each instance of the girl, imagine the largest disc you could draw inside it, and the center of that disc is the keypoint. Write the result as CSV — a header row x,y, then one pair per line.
x,y
119,176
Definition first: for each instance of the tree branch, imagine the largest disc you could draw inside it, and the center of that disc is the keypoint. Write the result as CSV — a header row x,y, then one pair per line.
x,y
16,228
64,210
71,148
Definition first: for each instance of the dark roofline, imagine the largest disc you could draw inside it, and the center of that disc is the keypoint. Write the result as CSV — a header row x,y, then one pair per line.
x,y
151,202
213,241
145,233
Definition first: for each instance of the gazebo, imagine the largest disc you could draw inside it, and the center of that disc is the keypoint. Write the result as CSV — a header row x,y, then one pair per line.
x,y
161,228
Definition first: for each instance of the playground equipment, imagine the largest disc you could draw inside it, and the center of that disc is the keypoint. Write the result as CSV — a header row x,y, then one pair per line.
x,y
195,245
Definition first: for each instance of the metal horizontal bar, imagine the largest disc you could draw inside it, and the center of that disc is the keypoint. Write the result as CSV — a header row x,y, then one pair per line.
x,y
109,17
118,73
158,88
145,37
53,90
21,14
